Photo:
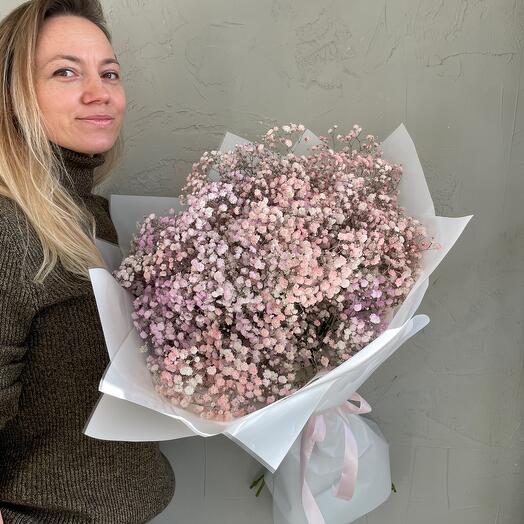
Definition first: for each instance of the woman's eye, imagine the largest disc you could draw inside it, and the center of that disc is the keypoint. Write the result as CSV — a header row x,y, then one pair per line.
x,y
61,71
117,76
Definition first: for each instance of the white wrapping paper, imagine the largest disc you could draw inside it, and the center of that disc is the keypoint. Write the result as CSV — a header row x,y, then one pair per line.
x,y
373,485
129,398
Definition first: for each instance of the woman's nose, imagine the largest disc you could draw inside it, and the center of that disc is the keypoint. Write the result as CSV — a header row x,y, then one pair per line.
x,y
95,91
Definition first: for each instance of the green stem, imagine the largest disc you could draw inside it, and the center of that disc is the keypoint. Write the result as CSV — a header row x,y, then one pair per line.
x,y
256,481
261,487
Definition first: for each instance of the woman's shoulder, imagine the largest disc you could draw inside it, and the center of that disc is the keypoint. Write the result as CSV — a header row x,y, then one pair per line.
x,y
13,223
7,206
19,248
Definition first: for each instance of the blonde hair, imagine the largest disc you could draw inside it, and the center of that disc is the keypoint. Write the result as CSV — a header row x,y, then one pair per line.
x,y
30,171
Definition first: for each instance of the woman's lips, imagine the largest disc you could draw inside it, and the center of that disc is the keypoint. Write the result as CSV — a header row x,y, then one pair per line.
x,y
98,122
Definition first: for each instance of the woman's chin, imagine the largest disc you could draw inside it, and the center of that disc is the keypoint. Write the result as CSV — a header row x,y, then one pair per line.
x,y
93,147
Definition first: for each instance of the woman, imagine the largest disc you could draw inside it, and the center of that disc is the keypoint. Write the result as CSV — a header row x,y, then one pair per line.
x,y
62,105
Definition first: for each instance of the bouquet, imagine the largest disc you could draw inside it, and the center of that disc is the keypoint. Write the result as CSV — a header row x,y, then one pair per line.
x,y
284,267
269,292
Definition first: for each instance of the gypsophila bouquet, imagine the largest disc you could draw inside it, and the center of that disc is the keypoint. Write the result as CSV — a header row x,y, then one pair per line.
x,y
285,266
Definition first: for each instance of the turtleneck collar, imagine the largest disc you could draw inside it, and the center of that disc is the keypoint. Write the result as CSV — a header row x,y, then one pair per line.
x,y
80,168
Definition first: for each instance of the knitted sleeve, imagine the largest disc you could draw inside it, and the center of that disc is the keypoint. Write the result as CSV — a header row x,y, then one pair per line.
x,y
17,309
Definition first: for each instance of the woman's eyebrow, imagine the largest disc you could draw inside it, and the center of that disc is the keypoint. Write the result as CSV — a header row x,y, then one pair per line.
x,y
80,61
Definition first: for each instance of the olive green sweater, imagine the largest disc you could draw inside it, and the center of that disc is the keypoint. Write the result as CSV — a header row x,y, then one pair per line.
x,y
52,356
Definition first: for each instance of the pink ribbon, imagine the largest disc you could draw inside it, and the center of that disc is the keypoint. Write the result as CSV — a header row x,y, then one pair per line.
x,y
315,432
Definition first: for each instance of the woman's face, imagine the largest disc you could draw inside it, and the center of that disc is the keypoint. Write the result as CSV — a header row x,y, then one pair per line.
x,y
78,85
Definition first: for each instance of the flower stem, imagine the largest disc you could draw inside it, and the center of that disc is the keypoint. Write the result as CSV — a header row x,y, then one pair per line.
x,y
260,482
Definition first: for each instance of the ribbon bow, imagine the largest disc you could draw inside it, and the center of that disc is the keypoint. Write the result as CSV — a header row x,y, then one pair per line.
x,y
315,432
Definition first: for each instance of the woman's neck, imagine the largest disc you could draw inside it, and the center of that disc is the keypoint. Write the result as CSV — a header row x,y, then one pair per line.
x,y
80,170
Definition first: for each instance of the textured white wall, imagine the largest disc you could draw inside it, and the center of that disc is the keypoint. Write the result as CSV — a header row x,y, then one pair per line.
x,y
451,401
